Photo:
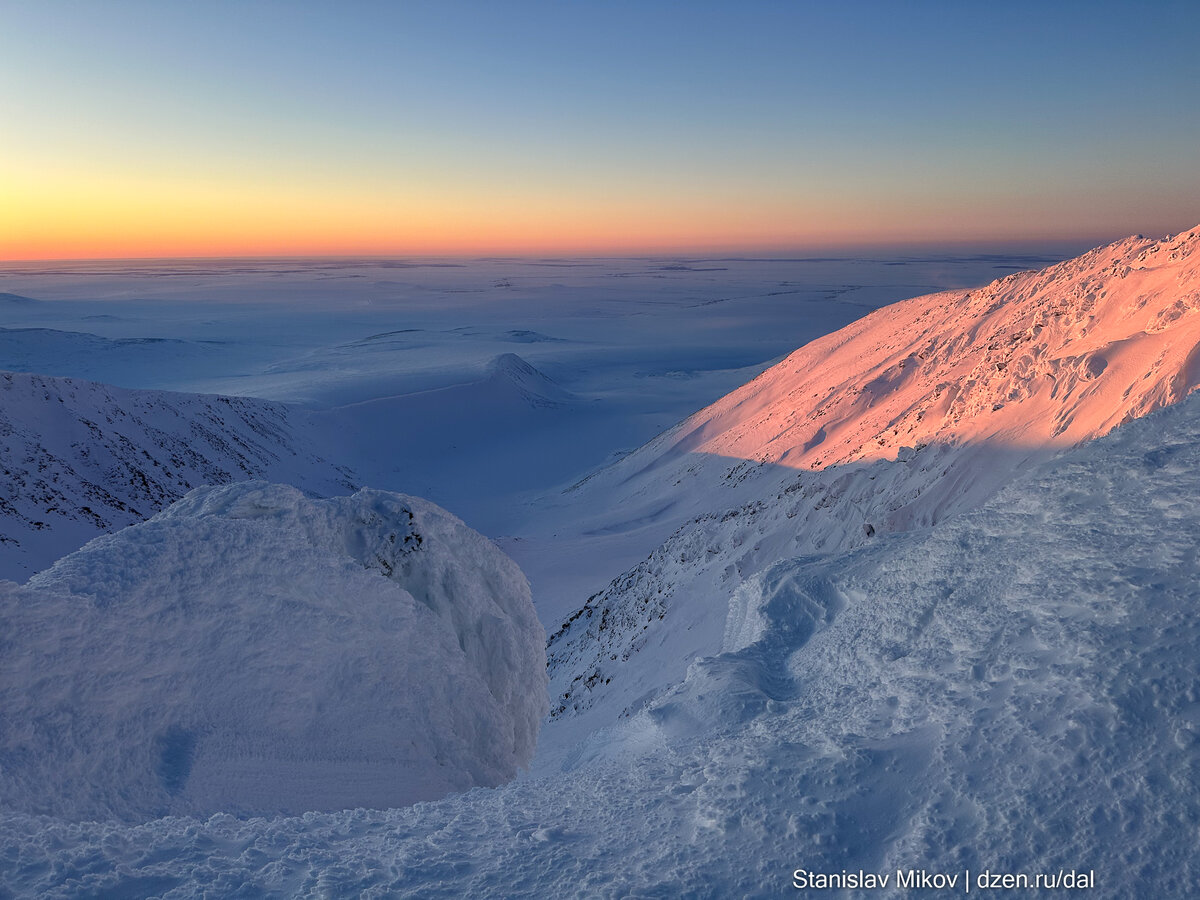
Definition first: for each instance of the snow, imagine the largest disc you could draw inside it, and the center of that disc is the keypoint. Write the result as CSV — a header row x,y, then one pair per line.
x,y
638,343
1036,360
905,600
1011,690
760,487
250,650
82,459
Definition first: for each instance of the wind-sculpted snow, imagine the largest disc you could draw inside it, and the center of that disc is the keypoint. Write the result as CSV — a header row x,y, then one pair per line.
x,y
81,459
251,650
914,413
1013,690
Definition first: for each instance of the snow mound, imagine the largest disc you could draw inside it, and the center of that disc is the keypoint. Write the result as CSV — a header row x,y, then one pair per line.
x,y
252,650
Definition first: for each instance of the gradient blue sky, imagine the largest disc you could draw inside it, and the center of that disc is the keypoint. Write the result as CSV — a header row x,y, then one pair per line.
x,y
159,128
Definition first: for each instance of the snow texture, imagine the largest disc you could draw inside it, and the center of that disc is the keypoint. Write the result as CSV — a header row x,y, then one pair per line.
x,y
1045,358
631,345
249,650
1034,361
1015,689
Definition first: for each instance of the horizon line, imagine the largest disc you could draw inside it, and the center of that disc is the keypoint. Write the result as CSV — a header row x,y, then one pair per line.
x,y
1009,245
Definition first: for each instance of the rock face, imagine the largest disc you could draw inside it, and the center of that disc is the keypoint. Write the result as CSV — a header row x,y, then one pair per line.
x,y
251,650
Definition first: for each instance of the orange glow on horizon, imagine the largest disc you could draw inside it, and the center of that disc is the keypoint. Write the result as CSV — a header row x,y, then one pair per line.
x,y
77,214
123,234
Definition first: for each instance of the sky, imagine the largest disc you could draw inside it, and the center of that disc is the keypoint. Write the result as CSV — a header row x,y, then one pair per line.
x,y
143,129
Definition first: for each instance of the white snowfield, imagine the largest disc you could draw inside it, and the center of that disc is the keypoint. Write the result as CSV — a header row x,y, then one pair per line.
x,y
1033,362
1014,690
249,650
1036,359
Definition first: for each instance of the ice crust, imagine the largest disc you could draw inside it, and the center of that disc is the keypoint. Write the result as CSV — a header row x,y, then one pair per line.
x,y
250,650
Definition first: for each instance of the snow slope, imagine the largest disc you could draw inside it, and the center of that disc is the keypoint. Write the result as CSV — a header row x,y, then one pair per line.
x,y
641,342
903,624
1012,690
1035,360
474,447
50,351
251,650
892,424
80,459
1046,358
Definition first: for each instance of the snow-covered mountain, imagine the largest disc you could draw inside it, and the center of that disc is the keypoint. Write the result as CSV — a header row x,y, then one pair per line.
x,y
80,459
907,606
1013,691
916,412
252,650
1046,358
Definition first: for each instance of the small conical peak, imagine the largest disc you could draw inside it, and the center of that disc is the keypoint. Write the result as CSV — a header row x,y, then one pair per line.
x,y
533,385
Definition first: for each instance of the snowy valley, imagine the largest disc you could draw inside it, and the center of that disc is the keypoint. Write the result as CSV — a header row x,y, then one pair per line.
x,y
917,595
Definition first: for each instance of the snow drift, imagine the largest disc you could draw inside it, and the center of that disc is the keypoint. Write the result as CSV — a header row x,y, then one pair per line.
x,y
251,650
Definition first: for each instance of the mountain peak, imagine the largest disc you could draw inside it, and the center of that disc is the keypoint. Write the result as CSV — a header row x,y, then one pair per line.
x,y
533,386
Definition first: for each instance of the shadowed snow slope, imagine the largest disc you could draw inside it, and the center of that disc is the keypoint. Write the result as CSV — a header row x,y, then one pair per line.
x,y
1014,690
251,650
80,459
916,412
531,385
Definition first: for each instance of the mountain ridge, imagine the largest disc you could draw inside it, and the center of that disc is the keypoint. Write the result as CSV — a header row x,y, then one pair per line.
x,y
858,434
1015,330
83,458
